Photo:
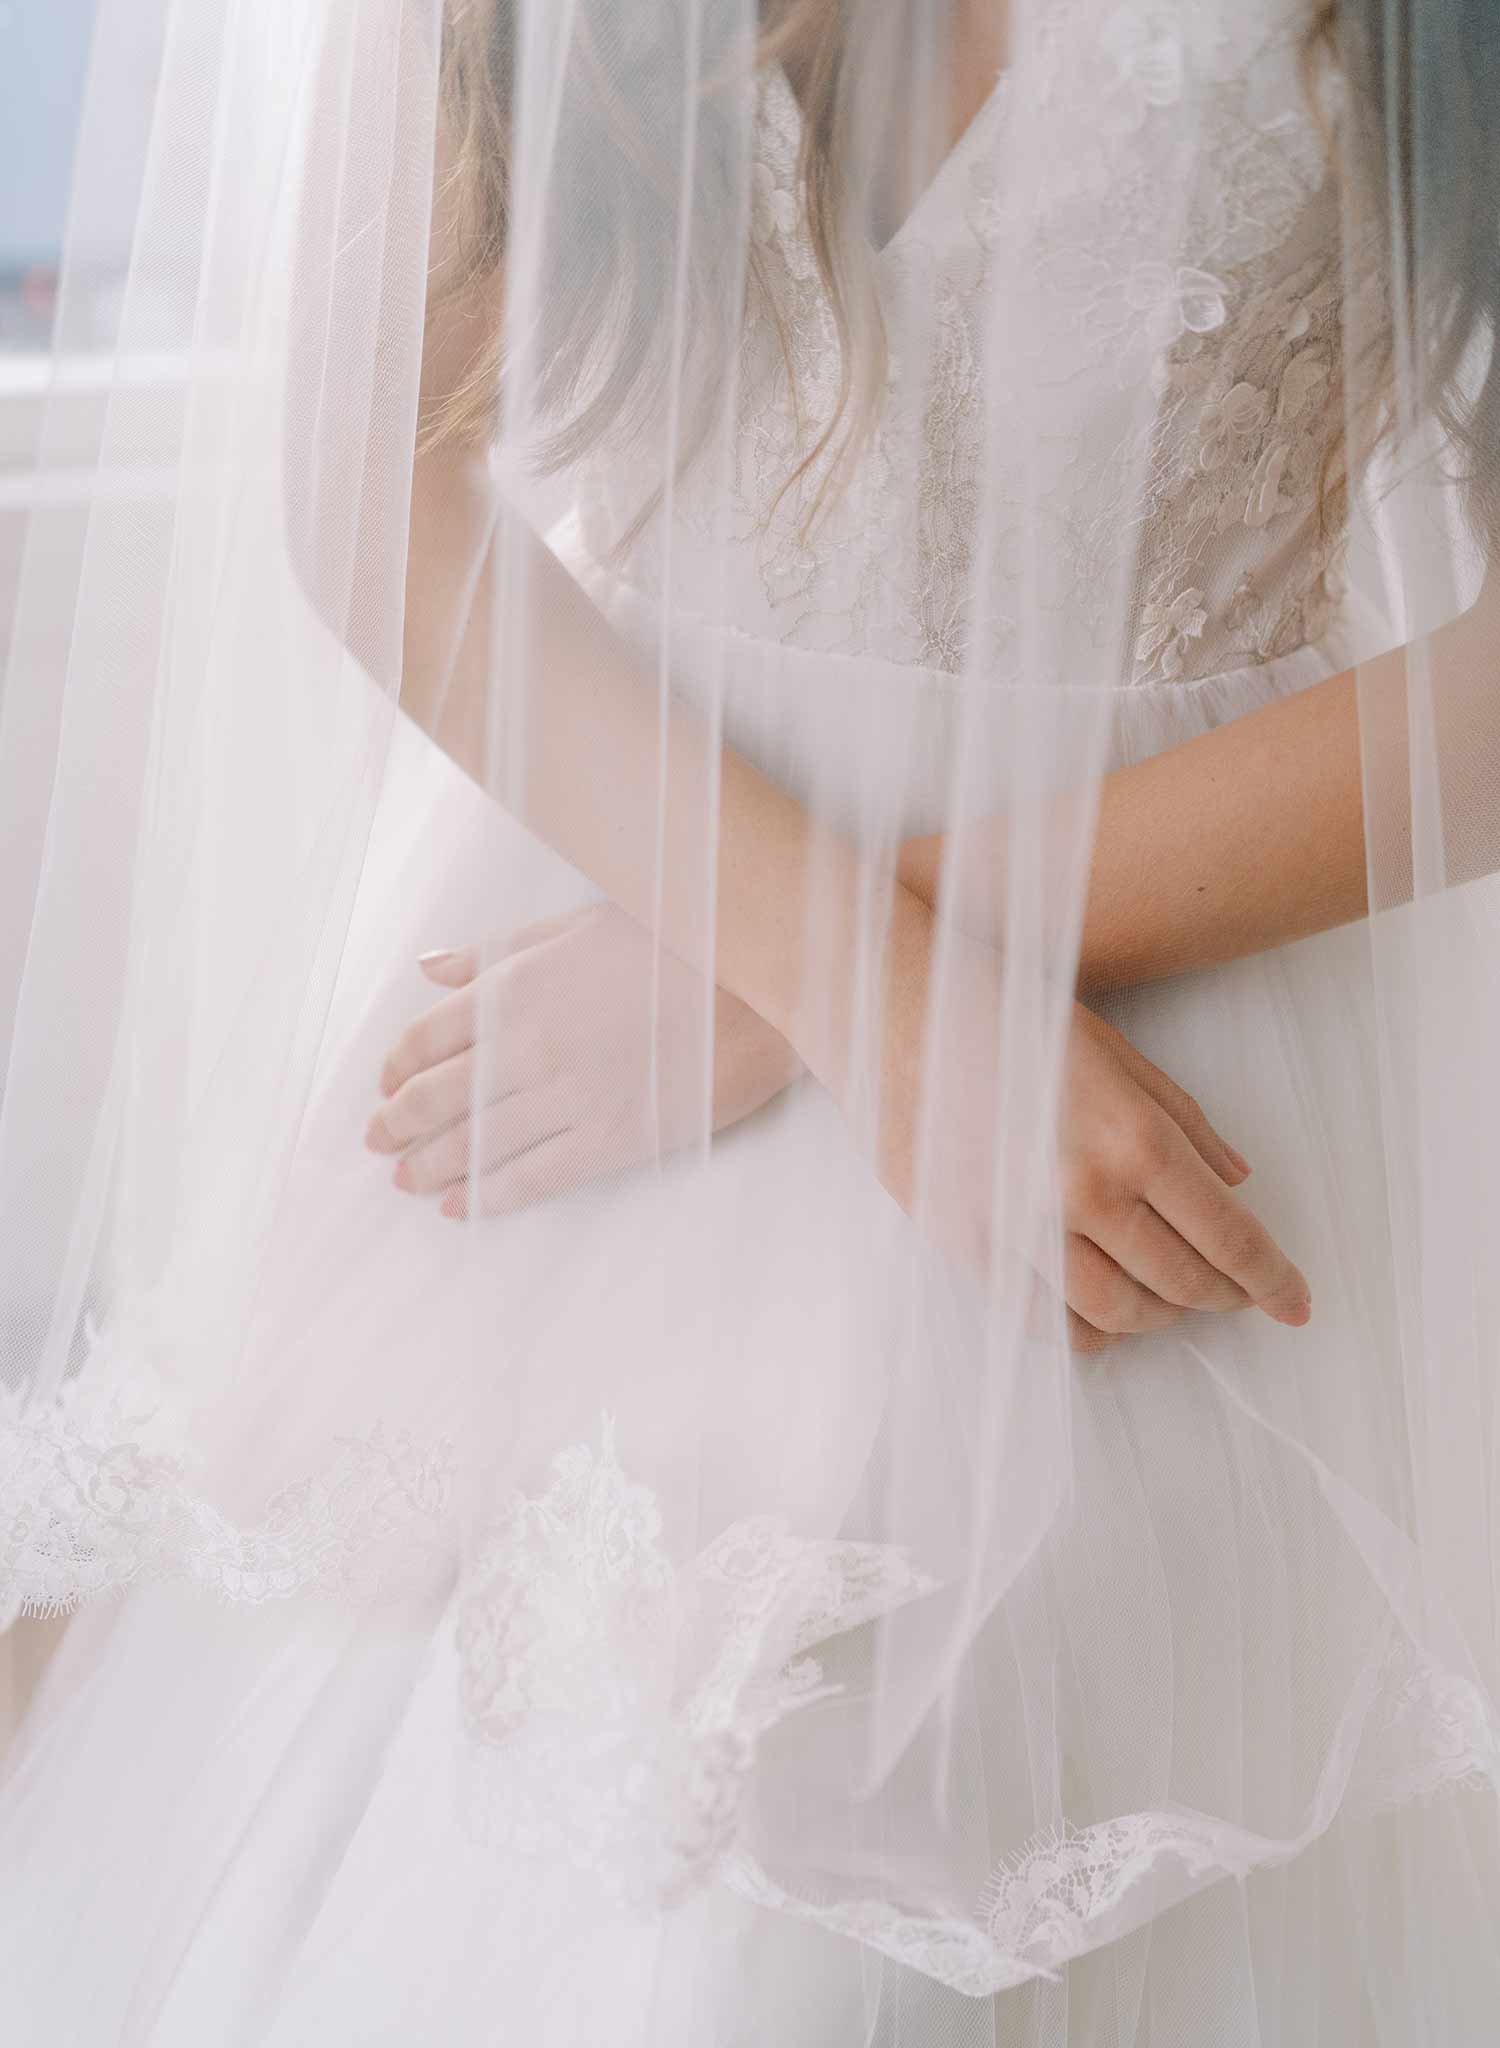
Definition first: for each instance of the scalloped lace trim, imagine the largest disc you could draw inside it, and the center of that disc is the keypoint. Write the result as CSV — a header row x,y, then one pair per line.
x,y
1071,1889
615,1702
96,1492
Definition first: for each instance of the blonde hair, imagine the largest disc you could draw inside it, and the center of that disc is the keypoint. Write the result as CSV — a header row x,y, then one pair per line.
x,y
604,349
605,346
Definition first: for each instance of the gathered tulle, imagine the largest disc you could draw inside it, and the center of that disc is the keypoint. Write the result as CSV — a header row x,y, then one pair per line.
x,y
707,1605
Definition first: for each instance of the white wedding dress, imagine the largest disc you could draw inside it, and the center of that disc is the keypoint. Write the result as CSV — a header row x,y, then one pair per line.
x,y
1218,1794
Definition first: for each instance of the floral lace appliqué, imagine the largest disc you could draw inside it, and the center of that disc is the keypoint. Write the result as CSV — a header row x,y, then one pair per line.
x,y
1184,381
97,1492
614,1700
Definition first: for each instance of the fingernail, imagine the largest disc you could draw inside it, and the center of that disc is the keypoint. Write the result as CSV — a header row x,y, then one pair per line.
x,y
401,1178
1237,1160
377,1137
454,1205
437,958
1295,1318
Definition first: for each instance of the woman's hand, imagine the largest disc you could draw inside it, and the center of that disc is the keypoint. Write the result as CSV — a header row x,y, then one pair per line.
x,y
1151,1227
536,1074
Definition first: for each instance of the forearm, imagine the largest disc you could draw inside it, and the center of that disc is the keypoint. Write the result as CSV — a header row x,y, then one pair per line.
x,y
1254,834
577,741
1241,839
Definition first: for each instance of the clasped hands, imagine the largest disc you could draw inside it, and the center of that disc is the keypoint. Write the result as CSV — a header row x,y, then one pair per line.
x,y
574,1050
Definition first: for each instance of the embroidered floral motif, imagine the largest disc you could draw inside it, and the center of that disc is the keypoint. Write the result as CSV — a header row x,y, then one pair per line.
x,y
1216,309
1239,415
1168,629
1039,1907
1428,1729
1261,400
97,1492
1071,1888
615,1700
1176,299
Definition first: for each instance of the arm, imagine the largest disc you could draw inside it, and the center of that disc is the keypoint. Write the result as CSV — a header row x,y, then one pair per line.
x,y
1253,835
1150,1224
596,754
1238,840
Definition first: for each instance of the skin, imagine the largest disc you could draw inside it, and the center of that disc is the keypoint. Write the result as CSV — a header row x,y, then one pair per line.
x,y
1240,840
1151,1226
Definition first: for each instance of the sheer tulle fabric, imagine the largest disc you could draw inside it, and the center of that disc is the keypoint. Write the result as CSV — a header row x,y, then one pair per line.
x,y
712,1603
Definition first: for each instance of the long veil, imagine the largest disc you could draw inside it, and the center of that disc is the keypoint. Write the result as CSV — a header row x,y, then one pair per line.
x,y
504,448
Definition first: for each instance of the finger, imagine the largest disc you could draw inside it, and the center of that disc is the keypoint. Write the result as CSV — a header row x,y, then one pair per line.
x,y
1042,1307
1188,1114
1111,1301
480,1144
1185,1194
439,1034
1085,1339
457,966
426,1103
1147,1248
453,966
548,1170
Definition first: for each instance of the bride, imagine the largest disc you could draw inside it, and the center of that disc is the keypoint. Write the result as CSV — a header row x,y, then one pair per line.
x,y
637,1334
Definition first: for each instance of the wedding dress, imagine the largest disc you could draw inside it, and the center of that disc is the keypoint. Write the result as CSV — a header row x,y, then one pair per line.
x,y
524,1631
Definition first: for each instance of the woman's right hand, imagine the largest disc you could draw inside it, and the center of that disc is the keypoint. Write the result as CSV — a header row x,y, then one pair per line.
x,y
1152,1228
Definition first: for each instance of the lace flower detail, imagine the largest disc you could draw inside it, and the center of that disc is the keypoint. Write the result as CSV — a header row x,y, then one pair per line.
x,y
776,219
1176,299
614,1701
97,1492
1167,630
1265,501
1238,416
1048,1904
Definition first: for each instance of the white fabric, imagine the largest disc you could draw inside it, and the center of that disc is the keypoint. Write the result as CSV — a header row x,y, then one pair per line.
x,y
693,1610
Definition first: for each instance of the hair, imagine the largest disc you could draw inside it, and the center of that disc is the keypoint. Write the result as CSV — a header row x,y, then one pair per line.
x,y
1424,150
602,336
1423,146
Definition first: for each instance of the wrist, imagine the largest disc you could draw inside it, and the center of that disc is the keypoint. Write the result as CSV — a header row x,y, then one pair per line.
x,y
753,1063
871,984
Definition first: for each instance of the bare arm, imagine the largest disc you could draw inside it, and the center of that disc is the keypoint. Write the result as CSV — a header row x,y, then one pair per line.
x,y
600,781
1253,835
1241,839
590,783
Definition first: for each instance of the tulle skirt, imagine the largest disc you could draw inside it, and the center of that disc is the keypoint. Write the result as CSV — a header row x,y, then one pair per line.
x,y
1220,1791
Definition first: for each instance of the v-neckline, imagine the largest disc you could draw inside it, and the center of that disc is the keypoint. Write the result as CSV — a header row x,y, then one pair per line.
x,y
947,168
943,172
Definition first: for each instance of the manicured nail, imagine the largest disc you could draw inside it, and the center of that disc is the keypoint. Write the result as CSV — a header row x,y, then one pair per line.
x,y
454,1205
437,958
1297,1318
377,1137
401,1178
1237,1160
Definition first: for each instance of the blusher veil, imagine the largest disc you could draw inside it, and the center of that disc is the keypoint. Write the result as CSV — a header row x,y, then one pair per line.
x,y
714,1603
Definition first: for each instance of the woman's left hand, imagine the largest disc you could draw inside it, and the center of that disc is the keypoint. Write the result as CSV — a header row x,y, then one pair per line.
x,y
572,1050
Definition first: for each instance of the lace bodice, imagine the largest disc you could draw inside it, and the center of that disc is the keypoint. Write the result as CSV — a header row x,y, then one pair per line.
x,y
1220,477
